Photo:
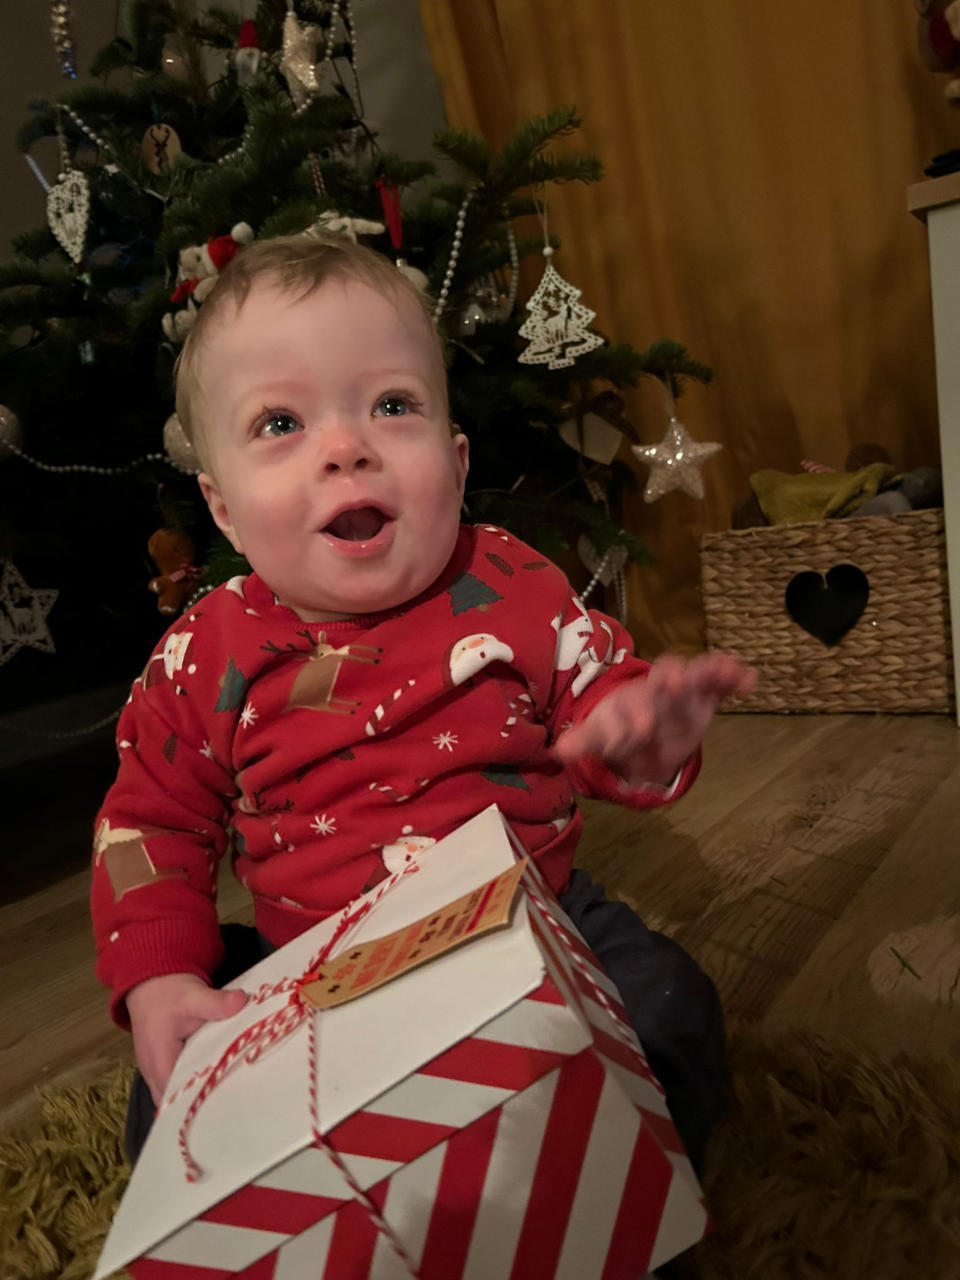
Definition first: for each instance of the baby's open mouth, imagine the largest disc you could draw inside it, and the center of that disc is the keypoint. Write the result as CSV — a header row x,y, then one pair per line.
x,y
359,525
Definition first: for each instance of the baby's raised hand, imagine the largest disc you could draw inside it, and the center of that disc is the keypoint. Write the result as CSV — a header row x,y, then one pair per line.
x,y
644,730
164,1011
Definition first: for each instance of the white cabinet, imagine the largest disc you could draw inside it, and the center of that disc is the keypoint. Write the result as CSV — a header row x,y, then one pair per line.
x,y
937,202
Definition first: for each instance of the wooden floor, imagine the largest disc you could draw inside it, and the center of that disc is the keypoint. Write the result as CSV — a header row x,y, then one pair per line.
x,y
813,871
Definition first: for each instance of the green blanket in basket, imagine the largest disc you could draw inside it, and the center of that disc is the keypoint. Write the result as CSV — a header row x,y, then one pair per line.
x,y
790,499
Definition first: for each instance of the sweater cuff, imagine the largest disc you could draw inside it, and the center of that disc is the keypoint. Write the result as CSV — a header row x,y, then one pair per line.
x,y
594,778
151,950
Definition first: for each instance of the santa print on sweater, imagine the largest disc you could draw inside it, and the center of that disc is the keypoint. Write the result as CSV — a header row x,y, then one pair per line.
x,y
324,755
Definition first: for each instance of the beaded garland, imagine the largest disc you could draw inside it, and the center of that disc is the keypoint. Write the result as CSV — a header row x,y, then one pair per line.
x,y
62,38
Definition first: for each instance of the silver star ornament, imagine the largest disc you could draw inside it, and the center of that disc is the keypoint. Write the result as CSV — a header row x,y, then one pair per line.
x,y
675,462
299,60
23,613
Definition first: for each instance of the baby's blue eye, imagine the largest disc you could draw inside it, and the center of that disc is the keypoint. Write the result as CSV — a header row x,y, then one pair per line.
x,y
392,407
279,424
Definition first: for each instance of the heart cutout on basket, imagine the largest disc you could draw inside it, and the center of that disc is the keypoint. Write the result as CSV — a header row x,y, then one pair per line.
x,y
828,607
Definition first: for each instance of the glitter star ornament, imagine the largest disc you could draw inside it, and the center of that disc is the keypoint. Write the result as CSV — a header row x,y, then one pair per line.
x,y
557,324
299,60
23,613
675,462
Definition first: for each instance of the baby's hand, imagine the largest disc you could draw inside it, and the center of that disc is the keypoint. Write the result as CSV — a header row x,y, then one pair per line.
x,y
644,730
164,1011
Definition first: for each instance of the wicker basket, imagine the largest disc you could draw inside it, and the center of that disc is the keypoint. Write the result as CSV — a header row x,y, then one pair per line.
x,y
897,657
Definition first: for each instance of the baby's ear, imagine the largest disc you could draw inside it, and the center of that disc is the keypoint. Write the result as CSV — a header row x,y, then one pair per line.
x,y
218,509
461,447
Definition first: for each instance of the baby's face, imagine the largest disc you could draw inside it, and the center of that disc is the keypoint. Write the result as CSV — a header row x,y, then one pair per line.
x,y
332,466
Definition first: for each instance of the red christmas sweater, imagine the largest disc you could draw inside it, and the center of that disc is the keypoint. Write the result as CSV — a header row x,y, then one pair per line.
x,y
323,755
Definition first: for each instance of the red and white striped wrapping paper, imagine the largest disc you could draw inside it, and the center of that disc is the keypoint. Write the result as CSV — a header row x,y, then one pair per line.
x,y
539,1148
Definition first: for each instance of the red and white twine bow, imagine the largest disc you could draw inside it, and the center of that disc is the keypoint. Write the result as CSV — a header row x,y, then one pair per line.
x,y
269,1031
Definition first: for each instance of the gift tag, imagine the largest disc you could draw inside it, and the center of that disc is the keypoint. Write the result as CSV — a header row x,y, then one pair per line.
x,y
373,963
68,211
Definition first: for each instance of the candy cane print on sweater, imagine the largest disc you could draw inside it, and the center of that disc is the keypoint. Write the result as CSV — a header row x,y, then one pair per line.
x,y
375,723
573,648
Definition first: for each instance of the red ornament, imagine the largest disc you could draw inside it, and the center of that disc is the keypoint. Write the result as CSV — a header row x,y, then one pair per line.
x,y
248,38
390,200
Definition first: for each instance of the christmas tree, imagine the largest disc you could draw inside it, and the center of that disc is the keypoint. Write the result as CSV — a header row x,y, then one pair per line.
x,y
200,132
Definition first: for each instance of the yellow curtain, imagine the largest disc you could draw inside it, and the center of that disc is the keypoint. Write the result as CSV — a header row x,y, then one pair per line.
x,y
753,208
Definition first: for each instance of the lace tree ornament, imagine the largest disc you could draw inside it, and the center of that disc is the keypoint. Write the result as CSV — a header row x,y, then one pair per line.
x,y
557,324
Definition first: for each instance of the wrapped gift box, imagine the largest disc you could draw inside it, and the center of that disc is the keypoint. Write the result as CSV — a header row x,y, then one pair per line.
x,y
487,1115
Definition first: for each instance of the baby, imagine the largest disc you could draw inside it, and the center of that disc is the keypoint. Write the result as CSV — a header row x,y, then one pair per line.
x,y
381,676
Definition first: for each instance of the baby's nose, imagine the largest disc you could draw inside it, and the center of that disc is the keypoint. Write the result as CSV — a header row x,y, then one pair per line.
x,y
345,449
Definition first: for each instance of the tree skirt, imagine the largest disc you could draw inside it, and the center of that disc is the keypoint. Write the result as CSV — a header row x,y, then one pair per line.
x,y
831,1162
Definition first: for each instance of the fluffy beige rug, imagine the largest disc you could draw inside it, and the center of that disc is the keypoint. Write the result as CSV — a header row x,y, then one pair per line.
x,y
831,1163
834,1162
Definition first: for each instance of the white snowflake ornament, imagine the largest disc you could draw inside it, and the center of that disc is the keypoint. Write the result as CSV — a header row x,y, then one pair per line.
x,y
675,462
557,324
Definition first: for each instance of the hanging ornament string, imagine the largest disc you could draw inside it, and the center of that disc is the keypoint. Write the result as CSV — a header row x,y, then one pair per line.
x,y
99,142
514,263
332,30
198,595
613,556
63,38
454,256
350,31
88,468
62,734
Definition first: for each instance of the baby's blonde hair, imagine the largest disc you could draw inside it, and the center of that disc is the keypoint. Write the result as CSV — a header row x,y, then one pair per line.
x,y
298,265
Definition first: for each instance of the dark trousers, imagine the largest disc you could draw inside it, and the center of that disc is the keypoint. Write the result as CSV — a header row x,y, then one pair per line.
x,y
671,1002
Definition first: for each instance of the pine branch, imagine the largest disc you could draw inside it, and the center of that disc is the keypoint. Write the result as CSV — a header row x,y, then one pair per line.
x,y
605,533
218,27
569,167
145,24
669,361
24,271
114,56
35,244
466,149
401,172
294,217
